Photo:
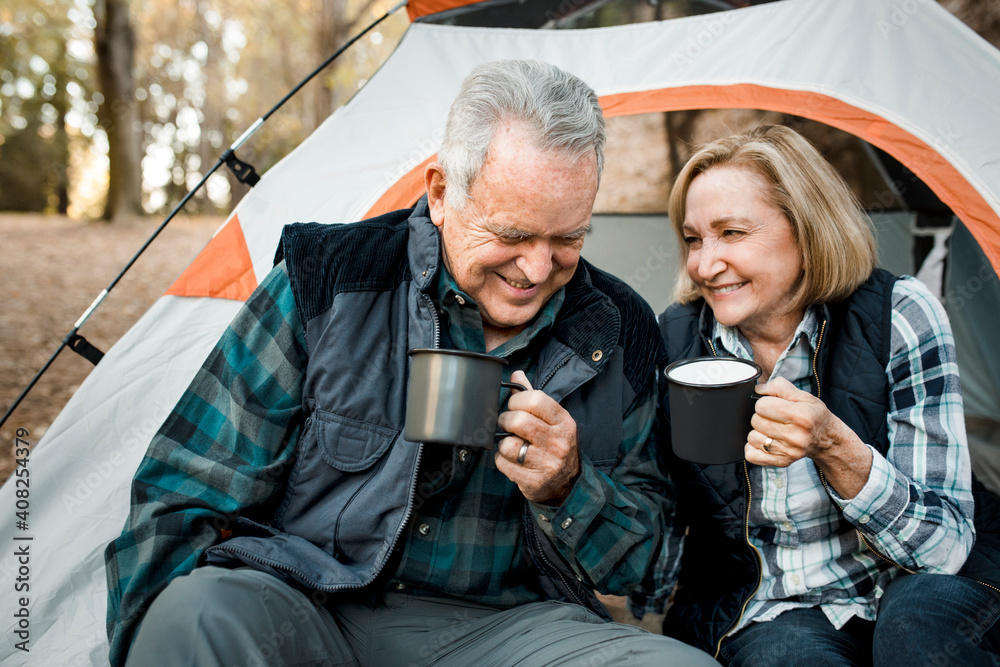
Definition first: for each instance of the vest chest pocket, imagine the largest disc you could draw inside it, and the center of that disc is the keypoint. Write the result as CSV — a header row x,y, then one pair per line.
x,y
350,445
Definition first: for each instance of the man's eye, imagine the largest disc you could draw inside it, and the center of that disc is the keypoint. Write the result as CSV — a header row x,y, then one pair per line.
x,y
733,232
688,240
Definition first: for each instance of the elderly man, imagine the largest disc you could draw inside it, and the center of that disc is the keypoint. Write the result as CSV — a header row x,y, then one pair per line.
x,y
279,517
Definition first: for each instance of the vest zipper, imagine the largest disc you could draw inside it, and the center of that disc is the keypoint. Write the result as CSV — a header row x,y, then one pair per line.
x,y
979,581
760,571
434,317
819,343
552,570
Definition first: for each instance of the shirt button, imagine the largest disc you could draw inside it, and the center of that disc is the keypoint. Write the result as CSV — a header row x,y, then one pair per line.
x,y
424,529
542,517
796,579
864,518
463,455
461,301
788,526
400,586
779,482
567,523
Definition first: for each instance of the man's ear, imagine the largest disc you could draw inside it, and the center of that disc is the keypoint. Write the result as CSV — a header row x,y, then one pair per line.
x,y
435,181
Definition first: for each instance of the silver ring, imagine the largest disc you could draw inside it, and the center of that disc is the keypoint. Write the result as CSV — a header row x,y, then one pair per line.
x,y
521,454
767,444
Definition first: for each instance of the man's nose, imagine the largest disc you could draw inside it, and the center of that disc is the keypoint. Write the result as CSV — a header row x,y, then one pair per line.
x,y
536,261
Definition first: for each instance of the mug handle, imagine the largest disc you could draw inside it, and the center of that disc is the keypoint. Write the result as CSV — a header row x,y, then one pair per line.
x,y
509,385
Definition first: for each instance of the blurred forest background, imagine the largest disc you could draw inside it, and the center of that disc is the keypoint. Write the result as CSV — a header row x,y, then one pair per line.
x,y
111,110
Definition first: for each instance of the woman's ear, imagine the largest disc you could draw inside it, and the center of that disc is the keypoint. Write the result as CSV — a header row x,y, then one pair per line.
x,y
435,181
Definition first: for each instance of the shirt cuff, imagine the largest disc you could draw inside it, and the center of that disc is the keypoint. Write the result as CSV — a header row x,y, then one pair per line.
x,y
567,524
881,501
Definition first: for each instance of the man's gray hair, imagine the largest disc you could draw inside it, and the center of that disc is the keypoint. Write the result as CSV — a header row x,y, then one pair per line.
x,y
558,110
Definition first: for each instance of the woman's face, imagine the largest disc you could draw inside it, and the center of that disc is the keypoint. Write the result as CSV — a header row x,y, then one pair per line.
x,y
742,254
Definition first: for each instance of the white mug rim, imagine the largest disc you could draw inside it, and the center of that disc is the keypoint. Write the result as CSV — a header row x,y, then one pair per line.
x,y
752,366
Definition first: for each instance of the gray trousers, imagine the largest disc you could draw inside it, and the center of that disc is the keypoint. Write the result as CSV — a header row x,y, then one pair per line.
x,y
246,618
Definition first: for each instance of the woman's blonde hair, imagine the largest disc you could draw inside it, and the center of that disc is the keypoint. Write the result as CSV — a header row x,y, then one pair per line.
x,y
832,232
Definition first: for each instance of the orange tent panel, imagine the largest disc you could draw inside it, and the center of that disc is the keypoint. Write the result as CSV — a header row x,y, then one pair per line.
x,y
946,181
223,269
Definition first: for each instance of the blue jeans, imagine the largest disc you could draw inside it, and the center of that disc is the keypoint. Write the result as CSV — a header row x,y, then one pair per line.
x,y
927,620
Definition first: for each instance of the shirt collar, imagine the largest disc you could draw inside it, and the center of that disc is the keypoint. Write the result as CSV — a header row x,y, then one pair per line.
x,y
465,324
730,340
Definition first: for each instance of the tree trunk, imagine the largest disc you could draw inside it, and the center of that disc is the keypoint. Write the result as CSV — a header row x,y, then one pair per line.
x,y
332,30
61,103
114,41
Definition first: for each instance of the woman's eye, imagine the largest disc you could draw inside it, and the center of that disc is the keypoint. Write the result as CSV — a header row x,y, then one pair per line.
x,y
690,239
733,232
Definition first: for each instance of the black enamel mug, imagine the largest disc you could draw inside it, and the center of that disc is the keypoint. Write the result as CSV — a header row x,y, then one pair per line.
x,y
453,397
711,404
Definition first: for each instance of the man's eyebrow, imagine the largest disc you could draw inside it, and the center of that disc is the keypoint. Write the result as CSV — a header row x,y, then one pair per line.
x,y
576,233
508,232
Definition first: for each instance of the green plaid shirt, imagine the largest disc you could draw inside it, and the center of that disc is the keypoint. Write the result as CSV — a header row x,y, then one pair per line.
x,y
221,451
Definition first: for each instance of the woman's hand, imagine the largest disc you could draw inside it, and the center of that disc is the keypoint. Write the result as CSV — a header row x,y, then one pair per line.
x,y
790,424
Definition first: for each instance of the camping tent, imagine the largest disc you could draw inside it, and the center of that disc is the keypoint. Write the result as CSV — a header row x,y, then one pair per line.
x,y
902,74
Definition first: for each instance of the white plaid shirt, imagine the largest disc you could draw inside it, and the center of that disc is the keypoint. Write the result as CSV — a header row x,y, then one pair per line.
x,y
793,523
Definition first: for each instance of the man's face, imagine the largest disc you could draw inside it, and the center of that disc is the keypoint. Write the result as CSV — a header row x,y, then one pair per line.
x,y
517,240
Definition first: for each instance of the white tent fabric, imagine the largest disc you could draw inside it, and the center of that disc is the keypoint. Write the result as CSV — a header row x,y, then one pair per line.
x,y
907,62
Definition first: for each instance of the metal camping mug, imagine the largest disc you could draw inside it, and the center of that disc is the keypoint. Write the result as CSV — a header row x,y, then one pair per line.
x,y
711,404
453,397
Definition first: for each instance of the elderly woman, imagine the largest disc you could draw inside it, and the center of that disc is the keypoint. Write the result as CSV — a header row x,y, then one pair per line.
x,y
835,542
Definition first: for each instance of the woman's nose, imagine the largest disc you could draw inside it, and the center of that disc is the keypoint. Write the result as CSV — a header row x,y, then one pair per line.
x,y
710,260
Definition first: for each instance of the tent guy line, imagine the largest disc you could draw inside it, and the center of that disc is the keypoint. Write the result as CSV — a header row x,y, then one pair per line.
x,y
244,172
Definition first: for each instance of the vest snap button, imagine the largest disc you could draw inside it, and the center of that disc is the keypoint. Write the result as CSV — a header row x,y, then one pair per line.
x,y
596,356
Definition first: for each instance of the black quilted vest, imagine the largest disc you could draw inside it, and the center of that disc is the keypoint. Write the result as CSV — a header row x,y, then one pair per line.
x,y
720,571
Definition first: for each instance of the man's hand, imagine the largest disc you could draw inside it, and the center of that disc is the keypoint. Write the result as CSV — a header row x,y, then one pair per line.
x,y
551,463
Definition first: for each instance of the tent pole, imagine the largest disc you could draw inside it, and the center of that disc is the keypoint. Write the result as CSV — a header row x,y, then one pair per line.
x,y
69,339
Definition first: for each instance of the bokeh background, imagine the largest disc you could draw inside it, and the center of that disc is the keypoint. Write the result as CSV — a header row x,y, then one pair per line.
x,y
110,111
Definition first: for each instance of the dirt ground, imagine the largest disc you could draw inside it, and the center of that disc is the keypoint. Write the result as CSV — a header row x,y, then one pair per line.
x,y
51,269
